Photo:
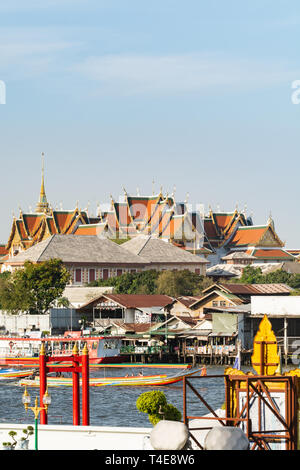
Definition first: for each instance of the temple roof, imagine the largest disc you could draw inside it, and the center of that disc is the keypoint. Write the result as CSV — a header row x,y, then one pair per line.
x,y
277,253
91,229
255,235
30,228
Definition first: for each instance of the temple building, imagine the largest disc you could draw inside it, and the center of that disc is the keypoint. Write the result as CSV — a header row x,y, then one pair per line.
x,y
222,238
156,216
233,239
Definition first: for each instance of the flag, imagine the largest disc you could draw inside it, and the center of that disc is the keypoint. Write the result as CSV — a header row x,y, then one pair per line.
x,y
237,362
279,368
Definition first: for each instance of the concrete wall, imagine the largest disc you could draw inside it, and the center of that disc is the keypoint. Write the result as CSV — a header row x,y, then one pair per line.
x,y
59,318
21,323
61,437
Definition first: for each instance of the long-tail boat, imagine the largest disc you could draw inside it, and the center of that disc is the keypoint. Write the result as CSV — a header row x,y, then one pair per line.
x,y
138,380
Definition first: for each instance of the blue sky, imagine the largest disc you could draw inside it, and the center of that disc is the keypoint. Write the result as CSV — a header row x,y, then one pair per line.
x,y
117,93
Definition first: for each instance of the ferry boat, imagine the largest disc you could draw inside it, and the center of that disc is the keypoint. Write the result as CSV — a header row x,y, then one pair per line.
x,y
24,351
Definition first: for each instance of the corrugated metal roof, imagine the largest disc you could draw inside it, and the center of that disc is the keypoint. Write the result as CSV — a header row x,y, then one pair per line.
x,y
135,300
251,289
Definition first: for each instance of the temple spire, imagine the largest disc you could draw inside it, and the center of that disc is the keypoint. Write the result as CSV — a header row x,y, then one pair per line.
x,y
42,205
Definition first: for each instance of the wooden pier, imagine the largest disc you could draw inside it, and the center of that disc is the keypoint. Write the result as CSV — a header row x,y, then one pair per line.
x,y
187,358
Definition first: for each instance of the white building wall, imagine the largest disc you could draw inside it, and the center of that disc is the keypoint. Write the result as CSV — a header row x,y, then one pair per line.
x,y
281,305
52,437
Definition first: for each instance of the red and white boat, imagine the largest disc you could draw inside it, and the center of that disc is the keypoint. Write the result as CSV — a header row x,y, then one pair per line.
x,y
25,351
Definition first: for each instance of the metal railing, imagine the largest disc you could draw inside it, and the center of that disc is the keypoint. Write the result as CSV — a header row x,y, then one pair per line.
x,y
241,393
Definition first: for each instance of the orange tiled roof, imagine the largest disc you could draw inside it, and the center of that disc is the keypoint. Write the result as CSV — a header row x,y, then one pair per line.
x,y
3,250
31,222
223,220
90,229
272,254
210,229
21,229
142,208
250,235
122,213
63,219
174,227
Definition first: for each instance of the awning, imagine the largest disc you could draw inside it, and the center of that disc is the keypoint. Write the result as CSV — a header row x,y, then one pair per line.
x,y
223,333
196,333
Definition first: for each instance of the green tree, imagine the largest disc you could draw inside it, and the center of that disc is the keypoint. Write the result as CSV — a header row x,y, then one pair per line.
x,y
294,281
171,283
143,282
35,288
177,283
251,275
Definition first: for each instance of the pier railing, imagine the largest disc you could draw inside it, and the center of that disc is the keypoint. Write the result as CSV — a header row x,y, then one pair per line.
x,y
144,349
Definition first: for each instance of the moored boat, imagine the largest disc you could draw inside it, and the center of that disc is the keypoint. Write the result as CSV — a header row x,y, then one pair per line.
x,y
25,351
11,374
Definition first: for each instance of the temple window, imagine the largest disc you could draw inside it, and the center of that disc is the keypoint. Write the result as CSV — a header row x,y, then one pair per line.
x,y
92,275
78,275
105,273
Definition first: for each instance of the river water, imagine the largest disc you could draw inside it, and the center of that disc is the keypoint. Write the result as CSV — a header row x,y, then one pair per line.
x,y
113,406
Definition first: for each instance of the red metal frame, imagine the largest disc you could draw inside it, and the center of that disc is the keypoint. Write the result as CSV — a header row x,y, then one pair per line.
x,y
79,364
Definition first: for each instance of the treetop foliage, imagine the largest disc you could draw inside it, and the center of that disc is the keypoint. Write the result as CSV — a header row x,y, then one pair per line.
x,y
172,283
252,275
35,288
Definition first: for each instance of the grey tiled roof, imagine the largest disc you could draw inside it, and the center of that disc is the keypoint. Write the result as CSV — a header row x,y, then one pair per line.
x,y
77,248
155,250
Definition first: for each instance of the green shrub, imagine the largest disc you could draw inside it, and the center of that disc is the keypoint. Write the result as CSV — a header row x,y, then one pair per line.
x,y
155,404
149,402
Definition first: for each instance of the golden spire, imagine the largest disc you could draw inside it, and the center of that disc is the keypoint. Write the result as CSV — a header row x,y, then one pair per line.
x,y
42,205
75,350
42,350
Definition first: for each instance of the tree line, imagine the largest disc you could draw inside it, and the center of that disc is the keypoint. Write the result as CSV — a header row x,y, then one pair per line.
x,y
252,275
37,287
172,283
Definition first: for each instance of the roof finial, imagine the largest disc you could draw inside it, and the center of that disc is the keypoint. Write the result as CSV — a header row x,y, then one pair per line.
x,y
271,221
42,205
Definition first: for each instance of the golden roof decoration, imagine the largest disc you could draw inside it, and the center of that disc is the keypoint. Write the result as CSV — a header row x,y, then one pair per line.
x,y
265,358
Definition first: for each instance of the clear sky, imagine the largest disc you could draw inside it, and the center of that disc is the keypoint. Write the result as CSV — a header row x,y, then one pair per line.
x,y
194,94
